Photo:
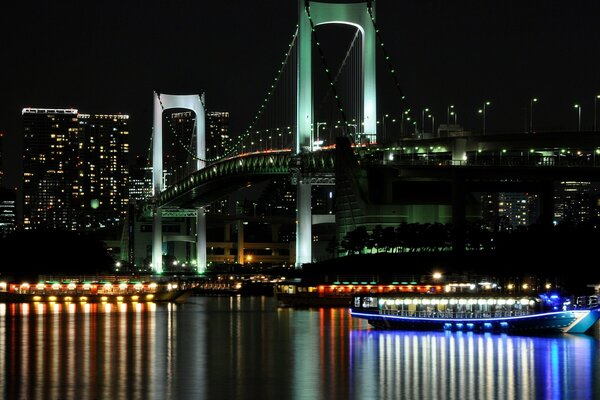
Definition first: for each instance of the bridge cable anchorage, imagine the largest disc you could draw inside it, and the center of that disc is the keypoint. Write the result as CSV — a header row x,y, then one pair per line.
x,y
404,104
271,90
324,62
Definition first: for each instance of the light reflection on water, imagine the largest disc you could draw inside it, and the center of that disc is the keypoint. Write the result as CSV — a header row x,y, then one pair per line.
x,y
456,365
247,348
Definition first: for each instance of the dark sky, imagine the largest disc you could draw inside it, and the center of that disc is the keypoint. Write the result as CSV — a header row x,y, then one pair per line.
x,y
109,56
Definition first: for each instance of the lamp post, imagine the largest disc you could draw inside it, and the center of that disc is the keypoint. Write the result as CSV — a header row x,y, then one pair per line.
x,y
355,134
531,101
482,111
578,107
596,111
450,107
384,130
423,118
455,114
402,116
409,120
432,124
319,140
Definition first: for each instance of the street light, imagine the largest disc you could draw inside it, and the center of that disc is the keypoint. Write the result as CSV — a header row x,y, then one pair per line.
x,y
402,116
355,134
578,107
482,111
423,118
319,141
455,114
533,100
448,116
384,133
595,112
432,124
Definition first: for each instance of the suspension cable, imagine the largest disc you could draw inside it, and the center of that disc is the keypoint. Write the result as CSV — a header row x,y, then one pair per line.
x,y
342,65
386,56
271,90
324,61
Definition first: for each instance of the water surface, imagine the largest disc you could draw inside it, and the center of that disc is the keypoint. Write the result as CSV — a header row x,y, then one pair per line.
x,y
247,348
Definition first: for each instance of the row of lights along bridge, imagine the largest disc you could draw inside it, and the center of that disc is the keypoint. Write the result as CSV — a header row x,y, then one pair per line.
x,y
452,117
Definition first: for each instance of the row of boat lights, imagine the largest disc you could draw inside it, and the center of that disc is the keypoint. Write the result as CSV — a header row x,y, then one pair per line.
x,y
87,286
524,301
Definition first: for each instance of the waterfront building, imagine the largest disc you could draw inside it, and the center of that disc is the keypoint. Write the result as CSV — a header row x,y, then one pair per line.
x,y
180,148
8,214
508,210
103,173
576,202
518,209
140,181
75,169
217,134
1,159
49,165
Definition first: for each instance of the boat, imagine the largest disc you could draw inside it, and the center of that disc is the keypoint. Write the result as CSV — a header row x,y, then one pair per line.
x,y
478,312
93,292
340,293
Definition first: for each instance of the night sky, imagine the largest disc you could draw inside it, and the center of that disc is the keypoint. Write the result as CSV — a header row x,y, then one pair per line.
x,y
109,56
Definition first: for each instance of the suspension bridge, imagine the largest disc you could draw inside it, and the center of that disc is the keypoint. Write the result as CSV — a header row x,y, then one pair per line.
x,y
294,135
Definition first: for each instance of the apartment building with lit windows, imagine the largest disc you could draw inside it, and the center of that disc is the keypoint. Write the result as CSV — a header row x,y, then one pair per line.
x,y
75,169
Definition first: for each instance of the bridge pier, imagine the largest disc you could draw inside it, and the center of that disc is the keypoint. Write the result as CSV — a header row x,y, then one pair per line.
x,y
240,241
459,151
303,222
157,266
201,259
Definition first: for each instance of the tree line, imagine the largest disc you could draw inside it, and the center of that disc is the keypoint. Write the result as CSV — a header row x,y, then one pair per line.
x,y
438,237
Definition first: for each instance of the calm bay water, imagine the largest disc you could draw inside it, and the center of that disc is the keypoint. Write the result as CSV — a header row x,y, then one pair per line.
x,y
247,348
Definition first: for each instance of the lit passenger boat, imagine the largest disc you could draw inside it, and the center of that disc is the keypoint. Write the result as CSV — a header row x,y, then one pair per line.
x,y
92,292
340,294
483,313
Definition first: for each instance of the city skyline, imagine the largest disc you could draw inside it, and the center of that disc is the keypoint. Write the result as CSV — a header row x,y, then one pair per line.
x,y
504,52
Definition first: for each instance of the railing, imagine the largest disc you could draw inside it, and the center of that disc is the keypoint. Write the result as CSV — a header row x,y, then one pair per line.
x,y
455,315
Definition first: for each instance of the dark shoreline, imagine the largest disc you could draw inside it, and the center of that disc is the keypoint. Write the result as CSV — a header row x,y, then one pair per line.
x,y
570,276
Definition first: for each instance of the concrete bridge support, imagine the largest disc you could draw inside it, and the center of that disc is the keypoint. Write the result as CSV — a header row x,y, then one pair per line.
x,y
303,223
240,242
201,259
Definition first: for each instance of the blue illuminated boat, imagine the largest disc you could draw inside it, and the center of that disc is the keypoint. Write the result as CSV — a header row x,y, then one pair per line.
x,y
479,313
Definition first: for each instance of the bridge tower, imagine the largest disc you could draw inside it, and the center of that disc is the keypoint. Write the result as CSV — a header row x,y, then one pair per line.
x,y
162,102
355,14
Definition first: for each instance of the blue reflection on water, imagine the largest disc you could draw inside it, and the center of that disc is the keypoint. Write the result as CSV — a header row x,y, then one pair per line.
x,y
460,365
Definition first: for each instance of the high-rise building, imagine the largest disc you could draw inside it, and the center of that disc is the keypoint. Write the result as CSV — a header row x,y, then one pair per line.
x,y
102,184
1,159
180,146
508,210
576,202
519,209
8,214
75,169
140,181
49,165
218,141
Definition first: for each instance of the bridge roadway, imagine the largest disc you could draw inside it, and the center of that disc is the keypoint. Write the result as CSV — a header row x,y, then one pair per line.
x,y
447,161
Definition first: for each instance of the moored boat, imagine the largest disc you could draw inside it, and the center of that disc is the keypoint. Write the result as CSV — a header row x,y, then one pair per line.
x,y
340,294
480,313
92,292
